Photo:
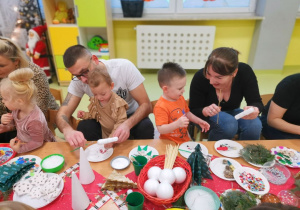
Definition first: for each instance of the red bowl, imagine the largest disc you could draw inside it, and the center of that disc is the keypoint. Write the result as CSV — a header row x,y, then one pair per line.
x,y
179,189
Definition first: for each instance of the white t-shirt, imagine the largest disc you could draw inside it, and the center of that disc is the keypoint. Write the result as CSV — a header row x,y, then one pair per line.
x,y
125,76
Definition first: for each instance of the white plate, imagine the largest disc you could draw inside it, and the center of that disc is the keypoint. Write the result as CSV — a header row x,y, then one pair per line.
x,y
190,146
28,158
38,202
93,153
229,153
258,165
217,167
254,172
144,152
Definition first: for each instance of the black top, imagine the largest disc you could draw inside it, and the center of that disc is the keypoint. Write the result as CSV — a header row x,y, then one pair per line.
x,y
203,94
287,96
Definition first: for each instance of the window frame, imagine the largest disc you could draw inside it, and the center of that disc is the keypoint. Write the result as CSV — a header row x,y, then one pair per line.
x,y
171,9
244,10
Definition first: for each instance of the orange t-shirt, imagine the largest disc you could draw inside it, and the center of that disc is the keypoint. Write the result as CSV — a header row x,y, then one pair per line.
x,y
167,112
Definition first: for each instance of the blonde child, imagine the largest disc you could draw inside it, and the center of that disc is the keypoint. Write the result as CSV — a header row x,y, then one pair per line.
x,y
19,95
172,114
106,107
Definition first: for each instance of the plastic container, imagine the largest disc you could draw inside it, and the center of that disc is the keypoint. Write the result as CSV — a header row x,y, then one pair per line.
x,y
275,172
132,8
199,195
120,162
56,165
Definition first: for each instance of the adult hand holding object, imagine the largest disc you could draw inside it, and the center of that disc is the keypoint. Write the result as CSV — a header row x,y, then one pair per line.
x,y
225,82
244,113
211,110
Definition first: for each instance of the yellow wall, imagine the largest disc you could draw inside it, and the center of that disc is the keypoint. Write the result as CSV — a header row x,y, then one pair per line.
x,y
293,54
236,33
230,33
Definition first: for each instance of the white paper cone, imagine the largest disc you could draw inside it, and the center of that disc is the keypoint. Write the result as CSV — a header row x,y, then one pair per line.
x,y
86,174
80,200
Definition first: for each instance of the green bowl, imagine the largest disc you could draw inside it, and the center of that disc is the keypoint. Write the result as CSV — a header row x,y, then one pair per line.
x,y
55,169
214,196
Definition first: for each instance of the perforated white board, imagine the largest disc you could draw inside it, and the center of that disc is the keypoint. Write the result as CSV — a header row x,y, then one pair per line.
x,y
188,46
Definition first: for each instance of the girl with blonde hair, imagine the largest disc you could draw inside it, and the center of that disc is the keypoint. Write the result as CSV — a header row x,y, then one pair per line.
x,y
19,95
12,58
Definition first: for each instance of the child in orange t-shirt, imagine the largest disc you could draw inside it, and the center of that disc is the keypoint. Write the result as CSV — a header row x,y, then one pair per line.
x,y
172,115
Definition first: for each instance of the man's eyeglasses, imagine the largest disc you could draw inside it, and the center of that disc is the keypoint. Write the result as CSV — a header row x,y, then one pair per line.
x,y
84,73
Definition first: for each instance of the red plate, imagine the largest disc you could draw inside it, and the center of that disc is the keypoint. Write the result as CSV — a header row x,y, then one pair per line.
x,y
6,153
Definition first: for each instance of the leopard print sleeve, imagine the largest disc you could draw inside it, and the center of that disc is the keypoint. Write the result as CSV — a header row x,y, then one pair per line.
x,y
45,99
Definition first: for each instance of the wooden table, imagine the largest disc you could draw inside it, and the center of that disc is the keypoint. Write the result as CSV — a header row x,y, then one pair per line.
x,y
105,169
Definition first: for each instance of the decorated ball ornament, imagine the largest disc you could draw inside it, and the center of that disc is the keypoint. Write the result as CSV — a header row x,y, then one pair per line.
x,y
270,198
288,198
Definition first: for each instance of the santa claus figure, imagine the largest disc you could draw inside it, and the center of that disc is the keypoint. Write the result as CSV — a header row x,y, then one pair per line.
x,y
36,49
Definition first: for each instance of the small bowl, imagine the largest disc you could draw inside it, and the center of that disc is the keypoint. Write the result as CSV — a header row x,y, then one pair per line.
x,y
275,173
56,167
119,162
213,195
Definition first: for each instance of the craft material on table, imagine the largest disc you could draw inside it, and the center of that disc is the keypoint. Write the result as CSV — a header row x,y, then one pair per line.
x,y
251,180
186,148
53,163
171,154
233,148
244,113
120,162
11,173
218,167
118,181
6,153
107,140
97,153
97,197
201,197
219,101
287,197
199,166
36,168
43,189
275,172
256,154
286,156
236,198
147,151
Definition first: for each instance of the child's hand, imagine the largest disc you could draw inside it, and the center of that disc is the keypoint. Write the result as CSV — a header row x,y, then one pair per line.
x,y
183,122
204,125
6,118
15,144
80,114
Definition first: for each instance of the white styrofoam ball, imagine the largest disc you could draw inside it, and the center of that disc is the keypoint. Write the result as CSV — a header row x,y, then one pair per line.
x,y
165,191
167,175
153,172
151,186
180,175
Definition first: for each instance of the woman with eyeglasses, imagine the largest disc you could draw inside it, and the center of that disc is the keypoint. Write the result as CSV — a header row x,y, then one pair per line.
x,y
216,93
12,58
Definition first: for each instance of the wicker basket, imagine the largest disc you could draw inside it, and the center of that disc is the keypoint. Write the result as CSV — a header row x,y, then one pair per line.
x,y
179,189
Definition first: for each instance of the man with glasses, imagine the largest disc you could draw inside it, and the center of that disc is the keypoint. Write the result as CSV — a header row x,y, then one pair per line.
x,y
128,84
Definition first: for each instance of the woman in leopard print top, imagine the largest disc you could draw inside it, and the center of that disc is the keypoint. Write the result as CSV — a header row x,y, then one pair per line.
x,y
12,58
